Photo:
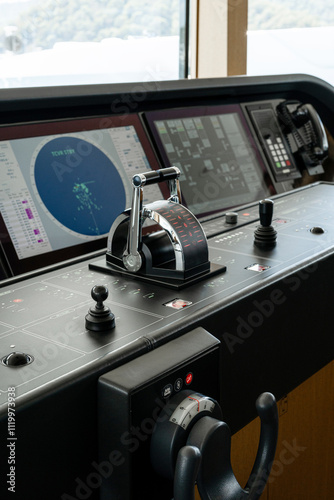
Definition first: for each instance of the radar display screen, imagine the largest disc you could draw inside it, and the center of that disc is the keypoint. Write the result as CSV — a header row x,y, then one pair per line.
x,y
213,147
64,183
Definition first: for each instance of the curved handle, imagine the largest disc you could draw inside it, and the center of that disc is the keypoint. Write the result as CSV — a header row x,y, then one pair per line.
x,y
267,411
215,479
187,466
321,148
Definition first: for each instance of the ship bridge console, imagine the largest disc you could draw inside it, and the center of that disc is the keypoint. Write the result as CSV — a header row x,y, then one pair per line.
x,y
167,269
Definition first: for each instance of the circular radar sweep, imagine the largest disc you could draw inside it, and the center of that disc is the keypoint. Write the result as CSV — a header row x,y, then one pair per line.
x,y
79,185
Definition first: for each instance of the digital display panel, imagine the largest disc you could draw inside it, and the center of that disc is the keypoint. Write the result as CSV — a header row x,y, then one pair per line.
x,y
62,185
214,149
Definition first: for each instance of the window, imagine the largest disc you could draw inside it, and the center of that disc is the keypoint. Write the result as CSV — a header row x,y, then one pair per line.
x,y
291,37
69,42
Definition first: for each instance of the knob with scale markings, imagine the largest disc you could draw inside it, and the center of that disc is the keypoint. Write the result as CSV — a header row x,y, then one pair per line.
x,y
174,424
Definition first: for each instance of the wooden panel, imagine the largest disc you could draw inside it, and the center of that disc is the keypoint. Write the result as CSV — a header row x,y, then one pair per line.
x,y
243,451
218,38
237,37
304,460
303,468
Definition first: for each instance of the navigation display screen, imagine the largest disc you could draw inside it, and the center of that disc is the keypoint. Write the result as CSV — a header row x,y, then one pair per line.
x,y
62,185
213,147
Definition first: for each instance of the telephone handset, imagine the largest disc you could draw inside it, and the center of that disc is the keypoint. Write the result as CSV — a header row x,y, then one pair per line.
x,y
274,143
292,137
305,133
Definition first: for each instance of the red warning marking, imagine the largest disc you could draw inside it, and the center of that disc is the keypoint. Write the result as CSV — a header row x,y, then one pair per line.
x,y
189,397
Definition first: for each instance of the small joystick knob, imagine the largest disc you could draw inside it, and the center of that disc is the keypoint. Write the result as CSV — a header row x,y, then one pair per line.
x,y
266,210
99,294
265,235
99,317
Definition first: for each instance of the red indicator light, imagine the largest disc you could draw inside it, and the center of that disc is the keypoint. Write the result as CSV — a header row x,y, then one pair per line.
x,y
17,301
189,378
246,214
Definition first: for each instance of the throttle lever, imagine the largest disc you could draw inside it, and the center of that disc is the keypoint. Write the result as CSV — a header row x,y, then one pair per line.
x,y
212,438
132,258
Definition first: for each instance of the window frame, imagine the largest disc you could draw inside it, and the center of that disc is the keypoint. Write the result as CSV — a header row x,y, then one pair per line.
x,y
218,23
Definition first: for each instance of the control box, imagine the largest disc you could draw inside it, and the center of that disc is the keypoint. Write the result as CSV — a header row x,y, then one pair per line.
x,y
130,400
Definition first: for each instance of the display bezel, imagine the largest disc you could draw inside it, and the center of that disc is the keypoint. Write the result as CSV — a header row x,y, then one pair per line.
x,y
18,266
151,117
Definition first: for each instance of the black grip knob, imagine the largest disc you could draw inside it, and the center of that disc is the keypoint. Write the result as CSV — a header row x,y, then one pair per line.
x,y
266,210
99,294
155,176
99,318
170,173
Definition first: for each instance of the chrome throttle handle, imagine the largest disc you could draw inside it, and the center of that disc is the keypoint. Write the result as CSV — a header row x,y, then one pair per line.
x,y
132,258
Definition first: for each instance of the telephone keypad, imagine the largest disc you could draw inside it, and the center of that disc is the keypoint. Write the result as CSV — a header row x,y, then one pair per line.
x,y
270,135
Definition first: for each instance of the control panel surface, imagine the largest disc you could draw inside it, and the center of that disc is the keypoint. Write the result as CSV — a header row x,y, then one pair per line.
x,y
44,316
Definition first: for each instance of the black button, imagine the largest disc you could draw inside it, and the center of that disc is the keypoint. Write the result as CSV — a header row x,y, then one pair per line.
x,y
17,359
167,391
178,384
317,230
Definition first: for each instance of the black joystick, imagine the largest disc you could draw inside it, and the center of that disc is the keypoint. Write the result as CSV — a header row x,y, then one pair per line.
x,y
265,235
100,318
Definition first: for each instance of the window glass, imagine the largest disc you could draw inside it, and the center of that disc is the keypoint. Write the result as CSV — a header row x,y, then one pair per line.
x,y
70,42
287,36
